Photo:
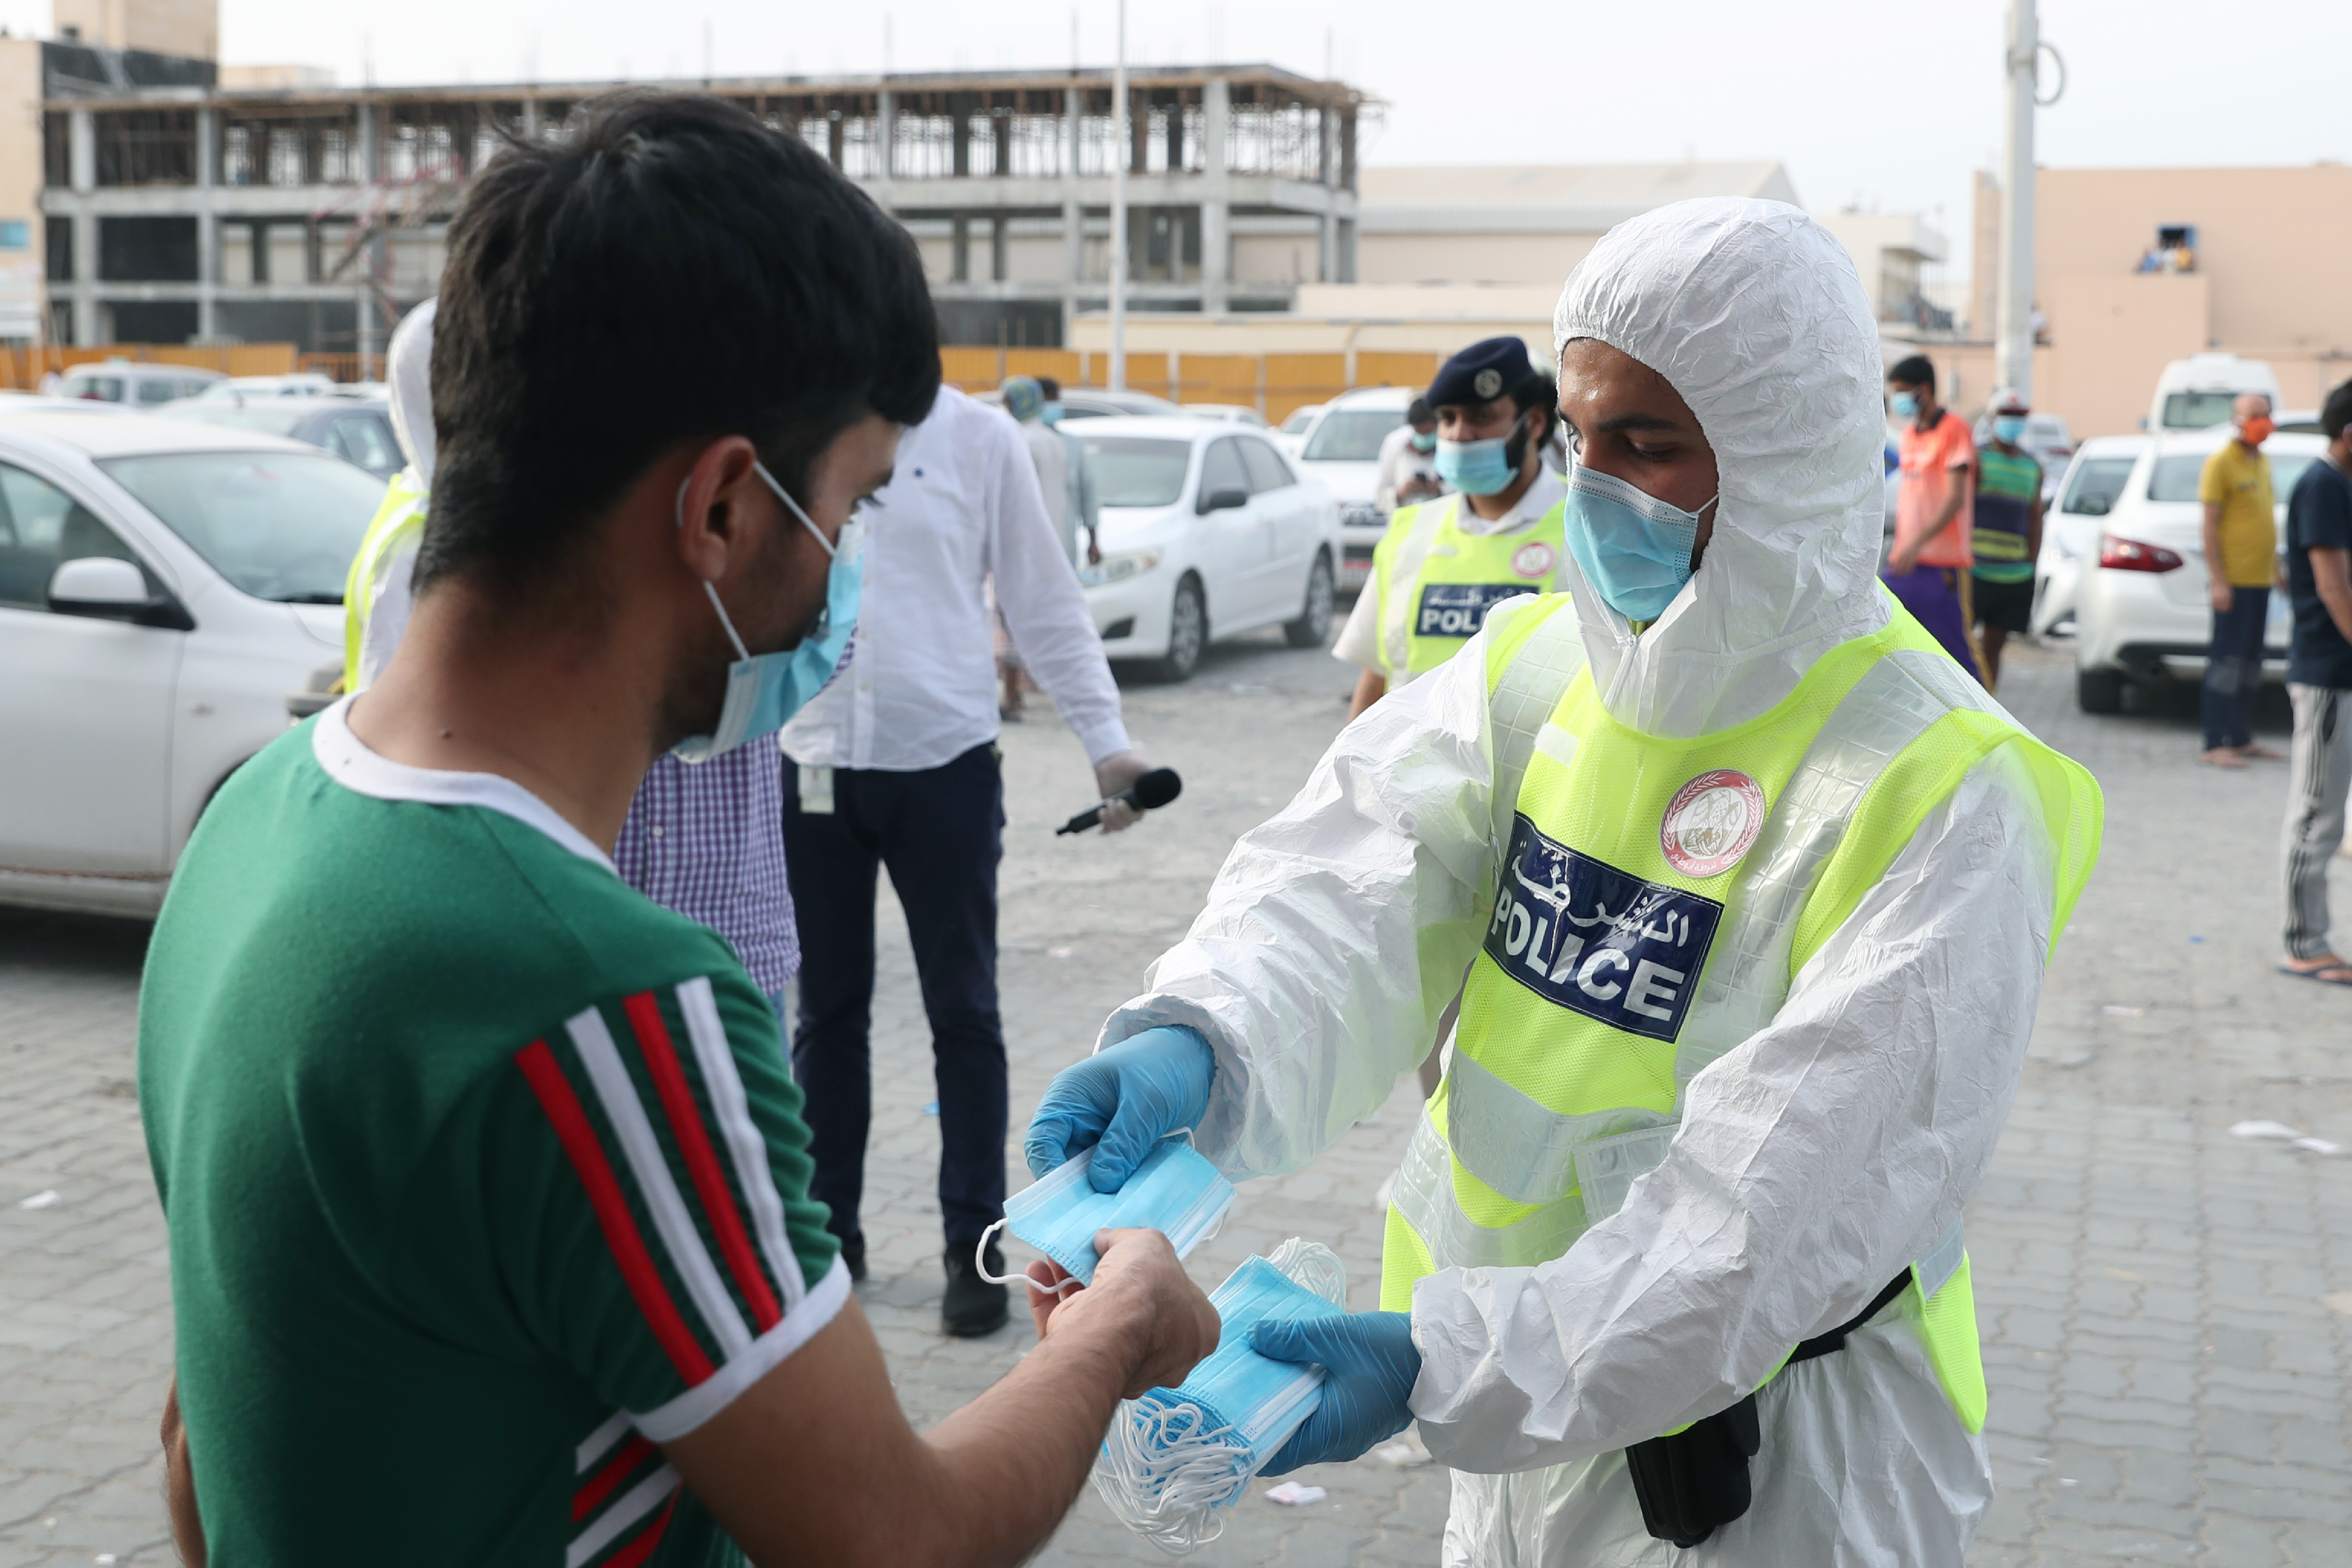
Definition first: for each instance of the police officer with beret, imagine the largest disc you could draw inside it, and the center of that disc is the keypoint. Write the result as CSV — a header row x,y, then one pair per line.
x,y
1443,563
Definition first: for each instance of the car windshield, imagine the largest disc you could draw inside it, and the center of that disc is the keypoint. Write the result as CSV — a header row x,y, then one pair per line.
x,y
2175,478
1298,421
1351,435
2197,410
2096,484
278,525
1138,470
2284,472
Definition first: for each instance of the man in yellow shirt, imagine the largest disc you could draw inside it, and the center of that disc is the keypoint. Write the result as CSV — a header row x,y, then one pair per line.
x,y
2241,556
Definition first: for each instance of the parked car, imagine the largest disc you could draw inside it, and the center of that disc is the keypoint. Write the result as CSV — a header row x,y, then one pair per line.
x,y
2142,614
2094,481
163,585
1231,413
295,383
1343,448
358,430
136,385
2298,422
2196,392
1207,532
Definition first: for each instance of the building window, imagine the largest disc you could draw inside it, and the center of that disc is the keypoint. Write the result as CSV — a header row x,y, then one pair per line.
x,y
60,233
147,250
56,150
146,147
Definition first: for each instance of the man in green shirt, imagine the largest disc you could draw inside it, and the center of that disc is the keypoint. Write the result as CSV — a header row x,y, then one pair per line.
x,y
485,1177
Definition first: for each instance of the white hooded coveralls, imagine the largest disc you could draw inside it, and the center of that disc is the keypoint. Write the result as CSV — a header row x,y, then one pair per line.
x,y
1816,1160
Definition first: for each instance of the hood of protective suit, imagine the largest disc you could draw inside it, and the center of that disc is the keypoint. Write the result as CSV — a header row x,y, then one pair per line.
x,y
1752,311
408,366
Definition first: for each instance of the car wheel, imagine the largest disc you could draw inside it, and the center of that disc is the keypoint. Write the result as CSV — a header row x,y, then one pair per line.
x,y
1188,634
2099,691
1314,622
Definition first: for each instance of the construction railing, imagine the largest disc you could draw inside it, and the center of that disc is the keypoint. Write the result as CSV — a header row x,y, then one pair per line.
x,y
24,369
1275,385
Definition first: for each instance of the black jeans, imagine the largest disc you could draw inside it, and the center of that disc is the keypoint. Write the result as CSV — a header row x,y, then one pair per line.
x,y
2233,667
940,832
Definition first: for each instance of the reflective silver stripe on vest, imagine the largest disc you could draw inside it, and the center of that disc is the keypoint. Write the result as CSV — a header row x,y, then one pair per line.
x,y
1527,1151
1424,1196
1943,1261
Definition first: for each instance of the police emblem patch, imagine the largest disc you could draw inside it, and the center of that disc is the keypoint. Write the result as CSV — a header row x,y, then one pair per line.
x,y
1711,821
1488,383
1533,560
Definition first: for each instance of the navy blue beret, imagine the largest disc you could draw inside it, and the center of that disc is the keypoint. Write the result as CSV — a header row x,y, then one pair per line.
x,y
1481,372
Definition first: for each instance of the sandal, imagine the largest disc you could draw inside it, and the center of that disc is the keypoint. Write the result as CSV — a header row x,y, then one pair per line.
x,y
2327,972
2222,757
2260,752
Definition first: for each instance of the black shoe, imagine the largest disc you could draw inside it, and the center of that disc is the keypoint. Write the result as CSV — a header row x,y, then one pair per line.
x,y
853,1258
973,1306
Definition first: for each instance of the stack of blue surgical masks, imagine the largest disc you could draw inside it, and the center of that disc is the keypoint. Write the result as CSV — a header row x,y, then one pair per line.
x,y
1176,1456
1174,1191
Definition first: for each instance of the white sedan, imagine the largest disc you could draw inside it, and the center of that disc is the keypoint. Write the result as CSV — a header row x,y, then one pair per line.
x,y
2142,611
1206,531
164,586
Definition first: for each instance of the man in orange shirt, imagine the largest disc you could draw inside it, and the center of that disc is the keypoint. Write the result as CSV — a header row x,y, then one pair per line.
x,y
1928,569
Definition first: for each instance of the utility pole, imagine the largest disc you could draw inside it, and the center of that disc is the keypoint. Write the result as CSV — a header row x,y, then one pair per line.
x,y
2013,345
1119,208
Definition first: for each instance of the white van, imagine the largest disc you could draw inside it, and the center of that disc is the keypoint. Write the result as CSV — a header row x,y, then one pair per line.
x,y
2195,393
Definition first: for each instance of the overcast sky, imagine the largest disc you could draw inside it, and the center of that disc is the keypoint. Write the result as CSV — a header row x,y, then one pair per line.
x,y
1868,101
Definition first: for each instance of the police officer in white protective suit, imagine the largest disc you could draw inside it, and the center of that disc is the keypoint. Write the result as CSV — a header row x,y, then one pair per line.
x,y
1754,888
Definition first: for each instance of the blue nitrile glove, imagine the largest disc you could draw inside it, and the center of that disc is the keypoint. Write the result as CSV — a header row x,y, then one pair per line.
x,y
1121,1102
1370,1366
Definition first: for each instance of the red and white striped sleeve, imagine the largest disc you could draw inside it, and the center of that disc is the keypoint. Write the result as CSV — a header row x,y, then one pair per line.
x,y
689,1259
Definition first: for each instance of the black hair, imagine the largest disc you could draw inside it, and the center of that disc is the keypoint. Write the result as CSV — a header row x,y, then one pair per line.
x,y
666,268
2336,413
1419,412
1914,370
1050,387
1539,392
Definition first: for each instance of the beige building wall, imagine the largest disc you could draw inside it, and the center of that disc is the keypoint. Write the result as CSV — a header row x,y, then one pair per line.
x,y
22,267
186,27
1524,259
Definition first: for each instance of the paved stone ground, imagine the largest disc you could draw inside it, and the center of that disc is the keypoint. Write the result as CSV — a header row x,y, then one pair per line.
x,y
2167,1310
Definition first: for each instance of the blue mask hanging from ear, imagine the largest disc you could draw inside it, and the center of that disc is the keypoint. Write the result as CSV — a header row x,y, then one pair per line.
x,y
764,690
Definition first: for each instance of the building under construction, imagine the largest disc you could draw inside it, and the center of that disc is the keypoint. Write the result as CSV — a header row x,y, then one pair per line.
x,y
165,199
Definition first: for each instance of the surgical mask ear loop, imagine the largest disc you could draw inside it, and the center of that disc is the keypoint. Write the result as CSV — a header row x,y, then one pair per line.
x,y
980,1266
678,510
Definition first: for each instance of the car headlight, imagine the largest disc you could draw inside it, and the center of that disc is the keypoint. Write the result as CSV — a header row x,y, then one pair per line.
x,y
1361,514
1118,568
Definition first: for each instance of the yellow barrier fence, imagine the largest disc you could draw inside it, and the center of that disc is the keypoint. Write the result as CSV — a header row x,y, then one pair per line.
x,y
23,369
1276,384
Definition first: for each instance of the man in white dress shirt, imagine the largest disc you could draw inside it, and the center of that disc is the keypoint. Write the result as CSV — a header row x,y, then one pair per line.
x,y
895,764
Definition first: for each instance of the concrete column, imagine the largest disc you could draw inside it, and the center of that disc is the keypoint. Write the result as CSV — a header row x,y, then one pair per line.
x,y
997,266
371,120
1327,266
530,118
1074,214
81,162
207,225
81,149
886,131
1347,236
960,248
1216,206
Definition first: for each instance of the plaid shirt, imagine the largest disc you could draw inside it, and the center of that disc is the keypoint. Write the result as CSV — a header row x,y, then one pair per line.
x,y
707,839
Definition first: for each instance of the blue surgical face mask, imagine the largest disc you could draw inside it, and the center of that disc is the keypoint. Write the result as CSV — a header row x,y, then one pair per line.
x,y
1424,441
1905,403
1176,1454
764,690
1481,468
1635,549
1174,1192
1051,413
2008,427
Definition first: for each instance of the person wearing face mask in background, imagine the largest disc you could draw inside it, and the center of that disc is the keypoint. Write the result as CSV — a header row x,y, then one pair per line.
x,y
2241,561
1407,470
704,839
1756,889
486,1180
1086,502
2005,533
1443,564
1928,567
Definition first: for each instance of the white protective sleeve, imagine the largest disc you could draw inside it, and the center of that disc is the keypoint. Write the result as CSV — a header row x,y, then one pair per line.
x,y
1339,928
1816,1161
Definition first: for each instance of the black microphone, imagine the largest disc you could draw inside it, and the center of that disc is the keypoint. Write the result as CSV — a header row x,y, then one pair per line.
x,y
1153,791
